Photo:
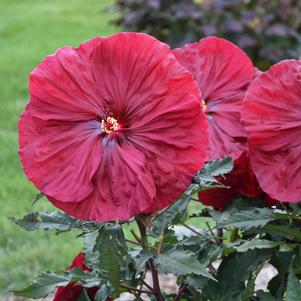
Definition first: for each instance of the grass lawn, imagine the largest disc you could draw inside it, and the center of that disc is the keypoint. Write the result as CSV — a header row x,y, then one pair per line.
x,y
29,30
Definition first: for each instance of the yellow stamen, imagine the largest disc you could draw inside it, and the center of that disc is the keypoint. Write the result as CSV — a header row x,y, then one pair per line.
x,y
204,106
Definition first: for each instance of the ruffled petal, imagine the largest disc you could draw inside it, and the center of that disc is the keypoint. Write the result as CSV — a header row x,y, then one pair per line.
x,y
62,87
135,73
123,187
271,115
60,158
223,72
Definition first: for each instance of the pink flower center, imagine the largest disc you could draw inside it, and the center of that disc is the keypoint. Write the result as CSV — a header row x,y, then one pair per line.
x,y
109,125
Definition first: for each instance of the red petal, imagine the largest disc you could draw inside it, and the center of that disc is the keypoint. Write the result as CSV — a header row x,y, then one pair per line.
x,y
242,178
123,187
223,72
60,158
271,115
218,198
62,87
79,262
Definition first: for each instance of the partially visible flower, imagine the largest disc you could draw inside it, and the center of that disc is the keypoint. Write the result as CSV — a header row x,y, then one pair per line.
x,y
241,180
113,128
223,72
71,292
272,117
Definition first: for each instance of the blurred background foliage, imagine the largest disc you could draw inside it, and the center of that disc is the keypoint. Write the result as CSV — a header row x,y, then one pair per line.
x,y
30,30
268,30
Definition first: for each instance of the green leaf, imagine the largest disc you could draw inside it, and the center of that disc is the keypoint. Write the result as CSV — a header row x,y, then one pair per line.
x,y
91,258
110,245
248,219
37,198
286,231
281,261
233,273
196,282
102,294
58,221
293,289
181,262
46,220
249,291
215,168
83,296
264,296
43,285
256,244
141,259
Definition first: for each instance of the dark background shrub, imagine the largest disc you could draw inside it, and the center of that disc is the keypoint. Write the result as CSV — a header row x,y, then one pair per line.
x,y
268,30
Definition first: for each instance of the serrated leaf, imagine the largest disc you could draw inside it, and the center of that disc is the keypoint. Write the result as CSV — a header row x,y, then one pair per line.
x,y
43,285
87,279
180,263
141,259
256,244
91,258
110,245
248,219
293,289
215,168
59,221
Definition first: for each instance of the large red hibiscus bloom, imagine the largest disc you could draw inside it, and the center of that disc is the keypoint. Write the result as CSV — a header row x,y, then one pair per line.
x,y
272,117
223,72
113,128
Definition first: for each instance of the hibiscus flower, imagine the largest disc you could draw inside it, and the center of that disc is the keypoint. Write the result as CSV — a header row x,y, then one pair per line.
x,y
72,292
113,128
223,73
272,117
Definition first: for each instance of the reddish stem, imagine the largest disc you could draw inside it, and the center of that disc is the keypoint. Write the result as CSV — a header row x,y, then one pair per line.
x,y
133,289
150,263
180,292
156,285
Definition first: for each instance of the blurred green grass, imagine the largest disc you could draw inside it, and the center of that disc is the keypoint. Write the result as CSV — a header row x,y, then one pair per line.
x,y
29,30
